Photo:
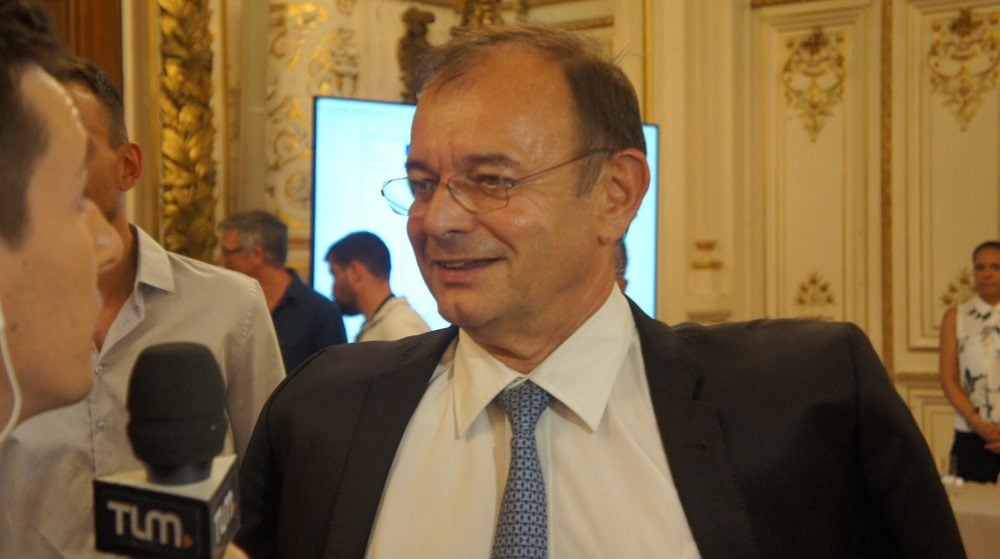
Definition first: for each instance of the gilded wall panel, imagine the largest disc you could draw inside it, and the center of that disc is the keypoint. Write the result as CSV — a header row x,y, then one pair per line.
x,y
817,158
946,188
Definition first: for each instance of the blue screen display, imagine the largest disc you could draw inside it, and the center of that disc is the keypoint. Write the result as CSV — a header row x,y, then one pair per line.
x,y
360,144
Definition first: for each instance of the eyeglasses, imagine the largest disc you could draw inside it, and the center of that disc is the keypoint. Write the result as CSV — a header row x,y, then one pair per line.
x,y
476,192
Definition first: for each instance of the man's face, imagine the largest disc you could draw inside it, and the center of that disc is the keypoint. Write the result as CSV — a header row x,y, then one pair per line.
x,y
49,282
343,291
511,115
233,255
105,164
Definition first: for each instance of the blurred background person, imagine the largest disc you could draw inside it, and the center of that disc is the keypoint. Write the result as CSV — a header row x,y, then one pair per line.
x,y
52,240
255,243
360,265
150,296
970,370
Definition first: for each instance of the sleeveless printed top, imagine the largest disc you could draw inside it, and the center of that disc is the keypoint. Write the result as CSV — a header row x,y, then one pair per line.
x,y
977,328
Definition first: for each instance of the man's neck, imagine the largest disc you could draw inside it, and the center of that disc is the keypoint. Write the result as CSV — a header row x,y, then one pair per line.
x,y
274,281
523,342
371,299
116,284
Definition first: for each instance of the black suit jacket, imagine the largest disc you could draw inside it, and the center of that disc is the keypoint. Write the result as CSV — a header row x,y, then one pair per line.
x,y
784,439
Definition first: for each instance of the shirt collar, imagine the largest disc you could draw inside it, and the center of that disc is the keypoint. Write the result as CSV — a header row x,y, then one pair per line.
x,y
153,266
580,373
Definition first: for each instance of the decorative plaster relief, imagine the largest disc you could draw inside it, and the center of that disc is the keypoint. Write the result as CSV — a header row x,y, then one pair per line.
x,y
813,77
959,290
815,298
963,61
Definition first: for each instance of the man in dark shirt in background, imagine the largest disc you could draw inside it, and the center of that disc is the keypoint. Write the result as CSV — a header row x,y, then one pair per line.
x,y
256,244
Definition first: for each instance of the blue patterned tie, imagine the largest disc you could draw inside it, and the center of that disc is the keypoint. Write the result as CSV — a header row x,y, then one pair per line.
x,y
522,527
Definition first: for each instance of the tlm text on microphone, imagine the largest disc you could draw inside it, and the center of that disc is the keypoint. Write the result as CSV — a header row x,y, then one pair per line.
x,y
139,518
166,529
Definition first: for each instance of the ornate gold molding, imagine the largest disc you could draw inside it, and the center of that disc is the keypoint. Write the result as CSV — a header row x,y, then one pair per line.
x,y
588,24
188,132
815,297
765,3
814,77
290,23
963,60
409,48
888,346
479,13
959,290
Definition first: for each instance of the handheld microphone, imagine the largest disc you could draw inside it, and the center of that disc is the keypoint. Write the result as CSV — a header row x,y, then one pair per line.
x,y
183,504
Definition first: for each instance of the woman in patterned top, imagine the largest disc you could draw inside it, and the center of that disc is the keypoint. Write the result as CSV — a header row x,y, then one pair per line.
x,y
970,370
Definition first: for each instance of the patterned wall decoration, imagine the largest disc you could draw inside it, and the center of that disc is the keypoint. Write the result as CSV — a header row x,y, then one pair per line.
x,y
313,50
188,171
815,298
813,77
959,290
963,58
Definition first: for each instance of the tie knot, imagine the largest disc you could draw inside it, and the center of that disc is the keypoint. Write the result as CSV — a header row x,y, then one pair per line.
x,y
524,404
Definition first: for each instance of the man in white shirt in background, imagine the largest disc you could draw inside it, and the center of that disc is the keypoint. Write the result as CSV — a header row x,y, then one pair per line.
x,y
360,264
150,296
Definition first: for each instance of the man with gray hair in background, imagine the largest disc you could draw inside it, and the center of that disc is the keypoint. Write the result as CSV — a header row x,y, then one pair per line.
x,y
255,243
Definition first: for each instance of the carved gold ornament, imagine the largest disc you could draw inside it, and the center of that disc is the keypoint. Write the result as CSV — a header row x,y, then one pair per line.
x,y
410,46
963,62
290,25
188,134
960,290
815,297
480,13
814,77
334,64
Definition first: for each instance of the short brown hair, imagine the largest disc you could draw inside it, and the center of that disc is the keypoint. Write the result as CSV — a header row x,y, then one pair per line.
x,y
88,74
26,38
607,106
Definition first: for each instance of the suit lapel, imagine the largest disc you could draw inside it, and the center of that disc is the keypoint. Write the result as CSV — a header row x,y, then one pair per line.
x,y
696,450
388,406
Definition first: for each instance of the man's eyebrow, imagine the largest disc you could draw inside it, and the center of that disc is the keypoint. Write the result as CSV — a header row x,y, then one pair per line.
x,y
468,162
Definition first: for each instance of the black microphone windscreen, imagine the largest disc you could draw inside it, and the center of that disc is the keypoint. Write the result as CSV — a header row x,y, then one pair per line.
x,y
176,404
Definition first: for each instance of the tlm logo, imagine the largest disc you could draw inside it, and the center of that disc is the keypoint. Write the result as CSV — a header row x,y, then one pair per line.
x,y
164,526
224,515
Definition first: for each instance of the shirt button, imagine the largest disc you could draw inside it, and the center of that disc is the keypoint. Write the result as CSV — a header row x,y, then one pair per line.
x,y
103,425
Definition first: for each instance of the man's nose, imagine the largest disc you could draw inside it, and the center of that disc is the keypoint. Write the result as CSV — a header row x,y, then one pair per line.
x,y
107,243
443,214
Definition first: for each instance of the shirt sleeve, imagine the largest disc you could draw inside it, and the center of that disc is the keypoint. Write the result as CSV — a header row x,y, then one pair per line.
x,y
254,368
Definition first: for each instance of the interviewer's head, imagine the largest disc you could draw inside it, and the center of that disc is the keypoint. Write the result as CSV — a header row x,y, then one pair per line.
x,y
52,240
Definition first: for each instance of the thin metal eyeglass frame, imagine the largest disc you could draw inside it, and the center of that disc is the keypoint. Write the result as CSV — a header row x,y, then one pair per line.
x,y
456,191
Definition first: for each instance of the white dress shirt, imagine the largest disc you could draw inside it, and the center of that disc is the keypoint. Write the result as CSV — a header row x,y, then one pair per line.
x,y
48,465
609,490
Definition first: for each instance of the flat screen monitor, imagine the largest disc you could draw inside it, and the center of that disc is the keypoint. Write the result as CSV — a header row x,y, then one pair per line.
x,y
360,144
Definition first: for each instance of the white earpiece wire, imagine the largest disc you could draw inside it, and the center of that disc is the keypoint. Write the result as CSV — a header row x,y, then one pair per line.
x,y
15,389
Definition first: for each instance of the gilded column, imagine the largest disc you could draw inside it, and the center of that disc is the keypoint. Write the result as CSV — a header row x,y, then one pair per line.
x,y
187,137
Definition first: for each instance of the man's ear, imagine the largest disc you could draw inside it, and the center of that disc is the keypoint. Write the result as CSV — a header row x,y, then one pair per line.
x,y
258,254
356,271
624,184
130,164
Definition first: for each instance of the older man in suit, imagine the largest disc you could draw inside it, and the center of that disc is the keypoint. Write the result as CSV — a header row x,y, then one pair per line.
x,y
555,418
